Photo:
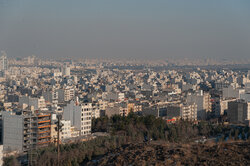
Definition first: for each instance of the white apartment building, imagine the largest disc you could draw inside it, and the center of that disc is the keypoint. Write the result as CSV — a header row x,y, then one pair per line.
x,y
69,94
203,102
86,118
79,116
66,94
66,129
41,102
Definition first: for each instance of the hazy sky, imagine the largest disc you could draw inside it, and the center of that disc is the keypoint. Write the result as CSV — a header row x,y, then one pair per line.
x,y
125,28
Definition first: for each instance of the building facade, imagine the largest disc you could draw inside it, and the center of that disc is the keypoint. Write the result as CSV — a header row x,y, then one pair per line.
x,y
26,131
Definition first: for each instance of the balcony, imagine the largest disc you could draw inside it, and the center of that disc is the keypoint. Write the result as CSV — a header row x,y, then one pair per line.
x,y
47,115
44,136
43,131
44,142
44,126
43,121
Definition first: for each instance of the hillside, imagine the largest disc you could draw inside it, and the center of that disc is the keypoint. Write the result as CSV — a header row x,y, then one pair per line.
x,y
236,153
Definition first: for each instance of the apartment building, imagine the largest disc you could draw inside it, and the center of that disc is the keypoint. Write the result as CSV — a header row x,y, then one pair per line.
x,y
30,101
189,111
51,96
80,116
27,130
224,105
238,111
86,117
66,129
203,102
65,94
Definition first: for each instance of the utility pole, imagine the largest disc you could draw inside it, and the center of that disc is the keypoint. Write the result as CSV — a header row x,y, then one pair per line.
x,y
58,140
59,126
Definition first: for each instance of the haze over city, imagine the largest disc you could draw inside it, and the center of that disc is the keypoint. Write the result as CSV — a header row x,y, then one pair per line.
x,y
132,82
140,29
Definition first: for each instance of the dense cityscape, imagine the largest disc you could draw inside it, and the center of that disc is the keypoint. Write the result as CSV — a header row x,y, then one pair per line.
x,y
124,83
49,103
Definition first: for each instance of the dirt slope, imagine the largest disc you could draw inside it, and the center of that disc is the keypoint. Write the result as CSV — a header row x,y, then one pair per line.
x,y
237,153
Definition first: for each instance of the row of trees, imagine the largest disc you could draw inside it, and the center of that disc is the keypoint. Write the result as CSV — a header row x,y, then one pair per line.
x,y
136,127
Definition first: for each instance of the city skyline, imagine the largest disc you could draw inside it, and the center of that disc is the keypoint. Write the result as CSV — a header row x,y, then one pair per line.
x,y
51,104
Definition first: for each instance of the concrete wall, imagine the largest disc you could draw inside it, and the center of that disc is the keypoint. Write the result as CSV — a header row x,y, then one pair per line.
x,y
12,132
230,92
73,113
60,95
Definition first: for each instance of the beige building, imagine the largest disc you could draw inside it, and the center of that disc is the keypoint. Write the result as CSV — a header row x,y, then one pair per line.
x,y
203,102
189,111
